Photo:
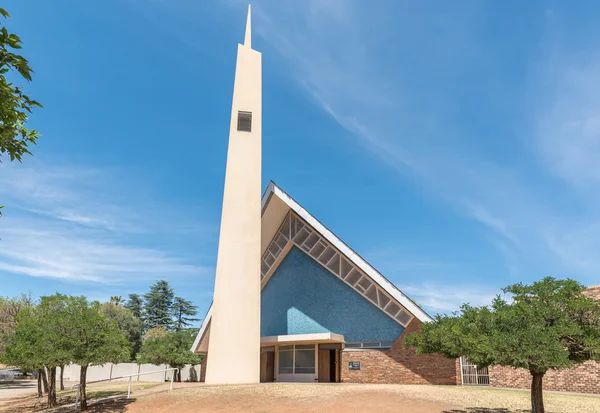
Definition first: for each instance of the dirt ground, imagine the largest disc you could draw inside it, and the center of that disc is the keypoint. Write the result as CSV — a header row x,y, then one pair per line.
x,y
288,398
21,396
310,398
338,398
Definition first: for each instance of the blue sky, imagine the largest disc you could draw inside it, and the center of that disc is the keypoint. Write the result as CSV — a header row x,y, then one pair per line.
x,y
454,145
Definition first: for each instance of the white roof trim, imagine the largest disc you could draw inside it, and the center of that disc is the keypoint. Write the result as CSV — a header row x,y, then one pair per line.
x,y
390,288
295,338
202,329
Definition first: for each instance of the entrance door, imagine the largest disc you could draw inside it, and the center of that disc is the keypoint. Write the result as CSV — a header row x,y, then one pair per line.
x,y
267,366
333,366
328,366
325,366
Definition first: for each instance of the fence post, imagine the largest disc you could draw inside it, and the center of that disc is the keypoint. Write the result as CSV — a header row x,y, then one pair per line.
x,y
77,397
172,377
129,388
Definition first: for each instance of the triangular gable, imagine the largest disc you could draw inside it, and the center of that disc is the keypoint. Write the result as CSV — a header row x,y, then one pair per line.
x,y
302,228
296,231
304,297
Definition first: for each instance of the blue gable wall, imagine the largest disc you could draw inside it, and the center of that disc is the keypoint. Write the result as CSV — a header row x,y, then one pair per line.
x,y
302,297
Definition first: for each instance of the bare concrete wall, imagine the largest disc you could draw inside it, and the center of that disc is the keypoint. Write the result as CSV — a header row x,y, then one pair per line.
x,y
117,371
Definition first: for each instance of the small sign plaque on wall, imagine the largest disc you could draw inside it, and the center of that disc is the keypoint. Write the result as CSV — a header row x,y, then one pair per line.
x,y
354,365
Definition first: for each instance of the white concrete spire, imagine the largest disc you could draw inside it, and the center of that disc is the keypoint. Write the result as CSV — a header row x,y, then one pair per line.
x,y
248,38
234,344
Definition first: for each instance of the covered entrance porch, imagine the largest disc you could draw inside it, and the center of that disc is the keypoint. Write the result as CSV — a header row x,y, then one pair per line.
x,y
305,358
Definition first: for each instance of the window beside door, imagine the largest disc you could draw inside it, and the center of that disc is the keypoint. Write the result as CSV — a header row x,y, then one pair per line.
x,y
297,359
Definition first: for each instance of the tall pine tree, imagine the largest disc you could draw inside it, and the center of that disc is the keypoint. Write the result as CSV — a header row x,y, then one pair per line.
x,y
135,304
183,313
158,306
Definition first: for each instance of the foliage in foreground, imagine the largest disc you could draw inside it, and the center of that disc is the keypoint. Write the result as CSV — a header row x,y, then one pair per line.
x,y
550,324
172,348
96,339
61,330
131,326
9,311
15,106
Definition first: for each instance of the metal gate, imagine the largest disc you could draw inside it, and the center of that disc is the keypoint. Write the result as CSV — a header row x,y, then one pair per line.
x,y
471,375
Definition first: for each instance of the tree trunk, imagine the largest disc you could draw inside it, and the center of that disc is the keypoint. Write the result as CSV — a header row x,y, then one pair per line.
x,y
52,386
44,380
39,380
537,397
62,374
82,378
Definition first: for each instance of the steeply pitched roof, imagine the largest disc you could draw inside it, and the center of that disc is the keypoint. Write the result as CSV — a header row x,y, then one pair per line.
x,y
351,255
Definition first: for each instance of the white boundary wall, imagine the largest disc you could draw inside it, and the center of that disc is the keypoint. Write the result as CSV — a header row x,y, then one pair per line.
x,y
114,371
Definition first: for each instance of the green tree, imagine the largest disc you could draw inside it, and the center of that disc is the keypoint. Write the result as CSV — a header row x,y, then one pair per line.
x,y
169,348
15,106
154,334
117,300
16,350
158,305
131,326
183,313
550,324
9,310
135,304
41,339
95,339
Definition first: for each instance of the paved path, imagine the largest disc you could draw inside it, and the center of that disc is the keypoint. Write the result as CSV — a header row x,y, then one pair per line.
x,y
14,389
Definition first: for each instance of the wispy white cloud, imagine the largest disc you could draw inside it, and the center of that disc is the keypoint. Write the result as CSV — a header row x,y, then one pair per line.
x,y
339,56
447,298
567,143
568,126
484,216
71,223
336,61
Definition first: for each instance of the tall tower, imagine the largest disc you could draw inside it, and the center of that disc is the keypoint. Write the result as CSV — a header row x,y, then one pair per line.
x,y
234,344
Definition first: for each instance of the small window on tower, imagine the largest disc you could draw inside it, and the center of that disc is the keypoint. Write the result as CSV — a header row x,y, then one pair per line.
x,y
245,121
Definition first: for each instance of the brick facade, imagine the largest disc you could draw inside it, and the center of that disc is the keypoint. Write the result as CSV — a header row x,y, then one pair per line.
x,y
399,365
584,378
593,292
403,366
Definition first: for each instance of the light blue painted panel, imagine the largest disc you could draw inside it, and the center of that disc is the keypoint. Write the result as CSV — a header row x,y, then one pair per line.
x,y
302,297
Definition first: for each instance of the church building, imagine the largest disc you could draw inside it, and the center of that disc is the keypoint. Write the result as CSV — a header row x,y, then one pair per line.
x,y
326,315
293,302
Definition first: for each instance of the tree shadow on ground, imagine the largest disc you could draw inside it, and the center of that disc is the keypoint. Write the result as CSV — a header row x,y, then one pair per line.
x,y
106,404
485,410
18,384
110,401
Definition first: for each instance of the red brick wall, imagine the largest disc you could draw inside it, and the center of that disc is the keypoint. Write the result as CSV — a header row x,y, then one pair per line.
x,y
593,292
399,365
584,378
